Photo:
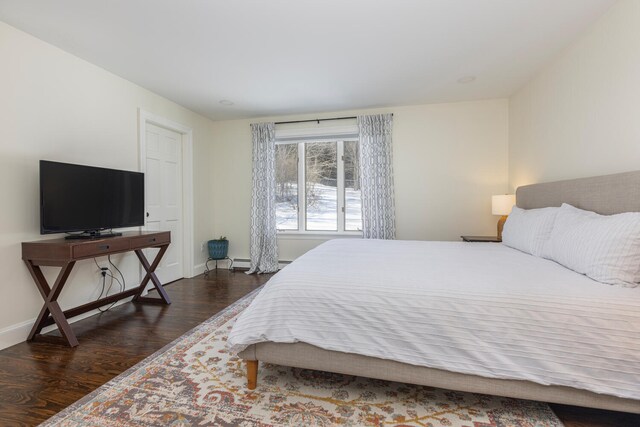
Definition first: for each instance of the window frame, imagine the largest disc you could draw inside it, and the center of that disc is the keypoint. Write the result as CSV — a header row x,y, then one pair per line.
x,y
302,231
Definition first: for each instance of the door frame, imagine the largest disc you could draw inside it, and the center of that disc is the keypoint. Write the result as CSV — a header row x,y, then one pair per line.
x,y
144,118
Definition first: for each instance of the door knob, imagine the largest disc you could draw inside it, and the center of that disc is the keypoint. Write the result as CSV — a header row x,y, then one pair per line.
x,y
147,214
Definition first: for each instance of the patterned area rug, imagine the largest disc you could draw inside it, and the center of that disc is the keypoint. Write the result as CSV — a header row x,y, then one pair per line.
x,y
195,382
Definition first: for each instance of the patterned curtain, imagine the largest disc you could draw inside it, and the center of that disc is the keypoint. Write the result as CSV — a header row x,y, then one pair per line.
x,y
376,177
264,242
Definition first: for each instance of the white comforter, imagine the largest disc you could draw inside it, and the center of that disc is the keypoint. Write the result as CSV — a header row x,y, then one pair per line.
x,y
475,308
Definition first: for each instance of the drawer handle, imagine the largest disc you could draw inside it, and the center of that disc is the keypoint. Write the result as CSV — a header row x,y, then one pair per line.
x,y
103,247
152,239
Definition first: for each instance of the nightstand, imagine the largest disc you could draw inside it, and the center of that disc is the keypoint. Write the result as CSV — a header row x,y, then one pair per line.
x,y
485,239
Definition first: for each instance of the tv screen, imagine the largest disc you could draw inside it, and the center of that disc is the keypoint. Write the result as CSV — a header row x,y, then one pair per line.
x,y
86,198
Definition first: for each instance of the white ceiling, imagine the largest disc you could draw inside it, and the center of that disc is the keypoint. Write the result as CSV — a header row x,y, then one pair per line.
x,y
297,56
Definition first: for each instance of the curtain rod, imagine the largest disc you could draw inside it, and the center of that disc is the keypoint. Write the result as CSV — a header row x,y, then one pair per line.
x,y
317,120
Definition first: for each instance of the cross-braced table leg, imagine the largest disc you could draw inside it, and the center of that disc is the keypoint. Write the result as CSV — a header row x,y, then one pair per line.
x,y
51,306
151,275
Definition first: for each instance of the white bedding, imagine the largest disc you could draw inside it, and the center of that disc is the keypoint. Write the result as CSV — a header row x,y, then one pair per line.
x,y
474,308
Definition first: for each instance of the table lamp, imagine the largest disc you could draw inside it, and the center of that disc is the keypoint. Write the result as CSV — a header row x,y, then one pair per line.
x,y
501,205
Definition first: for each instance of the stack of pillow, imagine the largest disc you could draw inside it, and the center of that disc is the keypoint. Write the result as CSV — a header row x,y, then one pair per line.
x,y
605,248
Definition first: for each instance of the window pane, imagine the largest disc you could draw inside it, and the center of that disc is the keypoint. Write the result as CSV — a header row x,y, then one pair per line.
x,y
321,170
287,186
352,197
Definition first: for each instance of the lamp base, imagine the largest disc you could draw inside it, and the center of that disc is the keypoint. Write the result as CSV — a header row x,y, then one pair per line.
x,y
501,222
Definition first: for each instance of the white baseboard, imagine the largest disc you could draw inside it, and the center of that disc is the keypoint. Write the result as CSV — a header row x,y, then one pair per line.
x,y
198,269
15,334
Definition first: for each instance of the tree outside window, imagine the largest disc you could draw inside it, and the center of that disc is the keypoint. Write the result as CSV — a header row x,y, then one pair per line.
x,y
318,187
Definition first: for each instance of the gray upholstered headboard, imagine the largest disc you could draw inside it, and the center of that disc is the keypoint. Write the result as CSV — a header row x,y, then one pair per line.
x,y
606,195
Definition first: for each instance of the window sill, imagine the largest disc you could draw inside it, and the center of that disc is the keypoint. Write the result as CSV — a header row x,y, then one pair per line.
x,y
318,235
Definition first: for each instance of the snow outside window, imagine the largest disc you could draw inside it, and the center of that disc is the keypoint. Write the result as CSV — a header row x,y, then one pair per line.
x,y
318,187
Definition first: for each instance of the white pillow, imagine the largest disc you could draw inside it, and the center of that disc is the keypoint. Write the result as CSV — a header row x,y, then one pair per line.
x,y
528,230
606,248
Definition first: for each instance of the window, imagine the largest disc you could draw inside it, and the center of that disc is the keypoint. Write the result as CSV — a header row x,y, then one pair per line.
x,y
318,187
287,186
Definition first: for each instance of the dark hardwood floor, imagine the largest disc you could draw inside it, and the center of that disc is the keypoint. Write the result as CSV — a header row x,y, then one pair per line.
x,y
40,378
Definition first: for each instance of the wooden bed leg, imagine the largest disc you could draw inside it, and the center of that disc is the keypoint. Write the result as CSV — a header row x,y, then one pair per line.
x,y
252,374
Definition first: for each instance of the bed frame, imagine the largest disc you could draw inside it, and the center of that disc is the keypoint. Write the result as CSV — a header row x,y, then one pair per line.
x,y
606,195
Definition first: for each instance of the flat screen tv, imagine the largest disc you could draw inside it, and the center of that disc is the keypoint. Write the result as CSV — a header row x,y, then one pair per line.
x,y
89,200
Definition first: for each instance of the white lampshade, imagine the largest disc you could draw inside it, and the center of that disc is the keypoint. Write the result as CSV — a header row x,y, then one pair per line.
x,y
502,204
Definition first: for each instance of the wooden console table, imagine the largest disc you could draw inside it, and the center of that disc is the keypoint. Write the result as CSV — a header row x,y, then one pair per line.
x,y
64,254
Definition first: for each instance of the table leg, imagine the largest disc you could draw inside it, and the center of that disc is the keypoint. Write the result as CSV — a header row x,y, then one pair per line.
x,y
51,306
151,275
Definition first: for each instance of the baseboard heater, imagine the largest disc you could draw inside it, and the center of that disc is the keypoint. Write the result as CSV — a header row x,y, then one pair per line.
x,y
244,263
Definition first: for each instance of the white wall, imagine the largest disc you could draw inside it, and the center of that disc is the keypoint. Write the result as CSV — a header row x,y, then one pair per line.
x,y
580,116
448,160
56,106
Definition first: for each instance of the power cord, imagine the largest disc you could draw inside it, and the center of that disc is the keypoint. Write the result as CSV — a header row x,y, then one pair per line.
x,y
124,282
105,271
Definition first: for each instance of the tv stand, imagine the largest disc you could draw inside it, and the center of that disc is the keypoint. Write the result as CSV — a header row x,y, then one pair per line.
x,y
92,235
64,253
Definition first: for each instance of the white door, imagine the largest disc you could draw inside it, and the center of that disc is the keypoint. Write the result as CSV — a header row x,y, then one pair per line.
x,y
163,194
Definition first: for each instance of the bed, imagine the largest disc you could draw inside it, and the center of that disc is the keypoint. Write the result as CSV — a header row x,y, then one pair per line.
x,y
498,321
